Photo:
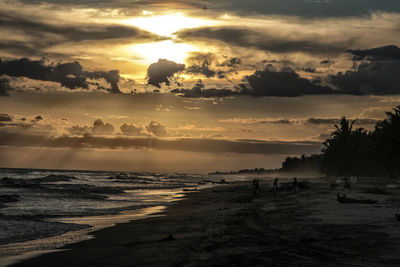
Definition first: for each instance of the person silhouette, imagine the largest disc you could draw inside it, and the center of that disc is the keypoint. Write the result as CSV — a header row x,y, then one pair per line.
x,y
256,186
275,186
295,184
346,184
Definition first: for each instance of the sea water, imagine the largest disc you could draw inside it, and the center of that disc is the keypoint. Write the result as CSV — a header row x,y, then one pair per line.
x,y
46,209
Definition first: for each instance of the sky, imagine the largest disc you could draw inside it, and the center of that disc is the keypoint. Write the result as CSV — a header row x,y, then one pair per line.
x,y
189,86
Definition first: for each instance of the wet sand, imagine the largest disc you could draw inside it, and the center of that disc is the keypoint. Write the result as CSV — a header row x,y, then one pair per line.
x,y
227,226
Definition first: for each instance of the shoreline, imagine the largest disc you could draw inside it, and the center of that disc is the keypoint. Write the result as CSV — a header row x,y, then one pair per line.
x,y
32,248
226,225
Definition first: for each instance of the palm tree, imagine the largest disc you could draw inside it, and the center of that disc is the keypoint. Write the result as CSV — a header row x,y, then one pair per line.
x,y
339,151
344,130
386,138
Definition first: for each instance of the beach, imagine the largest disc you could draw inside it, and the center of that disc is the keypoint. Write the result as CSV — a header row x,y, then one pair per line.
x,y
227,226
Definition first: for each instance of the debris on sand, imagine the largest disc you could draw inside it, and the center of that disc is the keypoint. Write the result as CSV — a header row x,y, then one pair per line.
x,y
376,191
9,198
346,200
168,238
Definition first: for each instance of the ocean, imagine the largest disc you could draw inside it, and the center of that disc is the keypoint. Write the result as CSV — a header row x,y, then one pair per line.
x,y
46,209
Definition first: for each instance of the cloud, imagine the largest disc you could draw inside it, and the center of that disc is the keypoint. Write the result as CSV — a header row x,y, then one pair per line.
x,y
99,128
180,144
203,69
207,64
316,121
201,64
131,130
112,77
389,52
5,118
269,40
231,62
267,82
161,71
79,130
4,87
379,76
156,129
47,31
306,8
286,83
198,91
70,75
38,118
332,121
250,121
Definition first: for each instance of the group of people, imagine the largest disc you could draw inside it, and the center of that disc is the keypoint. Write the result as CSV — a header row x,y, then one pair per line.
x,y
346,185
256,186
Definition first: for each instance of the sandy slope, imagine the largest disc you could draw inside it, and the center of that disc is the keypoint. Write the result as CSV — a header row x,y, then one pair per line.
x,y
227,226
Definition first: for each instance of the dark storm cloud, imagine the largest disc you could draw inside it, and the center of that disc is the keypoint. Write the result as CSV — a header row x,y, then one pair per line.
x,y
262,40
379,76
4,87
70,75
286,82
161,71
112,77
180,144
45,34
128,5
306,8
267,82
5,118
389,52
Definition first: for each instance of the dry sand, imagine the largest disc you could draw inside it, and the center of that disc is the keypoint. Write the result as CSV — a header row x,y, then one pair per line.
x,y
227,226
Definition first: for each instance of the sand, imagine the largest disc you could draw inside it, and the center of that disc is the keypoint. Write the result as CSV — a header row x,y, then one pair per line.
x,y
227,226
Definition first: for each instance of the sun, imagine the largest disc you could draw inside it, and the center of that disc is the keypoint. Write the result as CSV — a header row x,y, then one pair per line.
x,y
151,52
166,25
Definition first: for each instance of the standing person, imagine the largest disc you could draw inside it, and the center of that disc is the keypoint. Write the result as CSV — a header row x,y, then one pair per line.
x,y
256,186
346,184
275,186
295,184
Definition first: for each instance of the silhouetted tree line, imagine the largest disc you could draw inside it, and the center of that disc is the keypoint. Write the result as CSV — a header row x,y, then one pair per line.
x,y
304,163
356,152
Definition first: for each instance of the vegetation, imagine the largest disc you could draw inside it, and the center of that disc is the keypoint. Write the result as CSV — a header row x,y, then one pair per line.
x,y
356,152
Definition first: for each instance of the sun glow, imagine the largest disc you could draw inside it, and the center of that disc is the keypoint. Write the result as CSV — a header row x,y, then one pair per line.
x,y
166,25
151,52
